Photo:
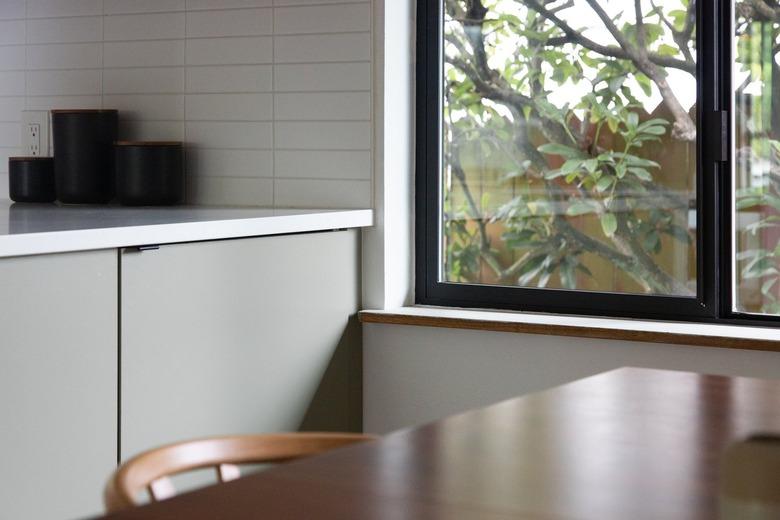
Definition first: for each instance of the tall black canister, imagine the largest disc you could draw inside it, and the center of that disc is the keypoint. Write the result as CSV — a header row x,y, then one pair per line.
x,y
83,155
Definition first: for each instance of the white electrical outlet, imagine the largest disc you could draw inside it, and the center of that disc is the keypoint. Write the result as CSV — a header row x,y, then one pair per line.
x,y
35,133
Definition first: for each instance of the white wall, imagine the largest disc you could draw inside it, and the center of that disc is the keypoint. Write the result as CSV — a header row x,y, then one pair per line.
x,y
414,375
273,96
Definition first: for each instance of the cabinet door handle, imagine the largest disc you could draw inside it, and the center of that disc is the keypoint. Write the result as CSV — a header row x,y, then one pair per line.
x,y
151,247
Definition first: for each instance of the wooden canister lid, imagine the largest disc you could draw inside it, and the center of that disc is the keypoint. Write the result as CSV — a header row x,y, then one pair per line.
x,y
84,110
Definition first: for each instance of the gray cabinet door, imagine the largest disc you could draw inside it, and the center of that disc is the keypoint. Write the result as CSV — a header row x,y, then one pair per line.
x,y
58,383
240,336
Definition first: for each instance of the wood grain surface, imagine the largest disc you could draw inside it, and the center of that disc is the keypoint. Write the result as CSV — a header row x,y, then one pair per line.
x,y
627,444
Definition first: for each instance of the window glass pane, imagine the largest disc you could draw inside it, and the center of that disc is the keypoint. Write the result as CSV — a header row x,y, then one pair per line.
x,y
569,145
757,160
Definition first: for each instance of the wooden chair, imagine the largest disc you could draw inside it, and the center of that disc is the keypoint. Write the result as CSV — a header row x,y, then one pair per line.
x,y
150,470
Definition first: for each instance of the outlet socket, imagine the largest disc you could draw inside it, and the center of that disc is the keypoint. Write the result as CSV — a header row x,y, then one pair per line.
x,y
35,133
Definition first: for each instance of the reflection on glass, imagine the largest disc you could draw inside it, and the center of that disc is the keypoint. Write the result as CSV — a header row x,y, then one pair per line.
x,y
569,145
757,161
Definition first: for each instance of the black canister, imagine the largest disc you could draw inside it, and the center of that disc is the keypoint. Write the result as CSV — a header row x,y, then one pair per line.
x,y
83,158
149,173
31,179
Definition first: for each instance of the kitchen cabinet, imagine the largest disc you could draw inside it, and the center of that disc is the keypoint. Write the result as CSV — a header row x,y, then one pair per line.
x,y
111,352
240,336
58,383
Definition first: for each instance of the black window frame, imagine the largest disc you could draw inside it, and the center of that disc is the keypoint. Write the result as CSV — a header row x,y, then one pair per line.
x,y
713,302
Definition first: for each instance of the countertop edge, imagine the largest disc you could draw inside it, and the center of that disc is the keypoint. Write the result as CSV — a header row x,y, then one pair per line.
x,y
50,242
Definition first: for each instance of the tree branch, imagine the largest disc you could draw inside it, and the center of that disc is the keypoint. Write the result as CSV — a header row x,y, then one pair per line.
x,y
574,36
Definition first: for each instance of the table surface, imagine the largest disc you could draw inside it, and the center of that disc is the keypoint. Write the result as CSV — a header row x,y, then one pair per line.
x,y
627,444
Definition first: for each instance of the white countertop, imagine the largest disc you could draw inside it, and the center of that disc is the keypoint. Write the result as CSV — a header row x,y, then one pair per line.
x,y
29,229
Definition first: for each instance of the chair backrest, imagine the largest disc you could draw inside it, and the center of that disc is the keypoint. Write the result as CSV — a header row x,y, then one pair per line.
x,y
150,470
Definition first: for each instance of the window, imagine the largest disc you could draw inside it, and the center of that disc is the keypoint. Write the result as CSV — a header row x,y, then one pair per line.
x,y
600,156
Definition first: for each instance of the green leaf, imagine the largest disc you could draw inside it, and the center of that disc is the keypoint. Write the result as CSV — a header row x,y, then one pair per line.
x,y
768,286
591,165
609,224
679,233
632,121
604,183
652,242
580,208
641,173
562,150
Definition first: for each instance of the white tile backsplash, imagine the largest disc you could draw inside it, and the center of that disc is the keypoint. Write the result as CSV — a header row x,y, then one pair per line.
x,y
322,19
323,136
252,136
217,162
49,102
323,164
147,107
153,53
320,77
152,130
229,22
10,134
323,106
12,57
12,83
10,9
62,82
55,8
272,97
250,50
54,56
230,78
163,80
64,30
230,107
11,108
142,6
158,26
194,5
12,32
325,194
231,191
322,48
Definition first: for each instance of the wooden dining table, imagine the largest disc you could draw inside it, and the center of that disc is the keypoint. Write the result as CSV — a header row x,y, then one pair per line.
x,y
627,444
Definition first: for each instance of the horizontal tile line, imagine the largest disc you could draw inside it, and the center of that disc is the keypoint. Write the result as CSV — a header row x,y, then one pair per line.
x,y
223,65
201,92
322,149
320,4
277,178
225,121
322,120
30,18
277,35
191,144
228,176
334,179
59,95
307,92
322,62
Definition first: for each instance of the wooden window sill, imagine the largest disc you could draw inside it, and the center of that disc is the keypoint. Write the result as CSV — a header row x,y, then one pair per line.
x,y
693,334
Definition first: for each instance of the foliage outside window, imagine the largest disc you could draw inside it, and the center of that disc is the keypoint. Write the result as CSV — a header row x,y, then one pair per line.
x,y
757,156
570,144
569,149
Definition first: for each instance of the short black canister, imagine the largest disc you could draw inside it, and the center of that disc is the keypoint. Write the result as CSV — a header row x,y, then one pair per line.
x,y
149,172
31,179
83,156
